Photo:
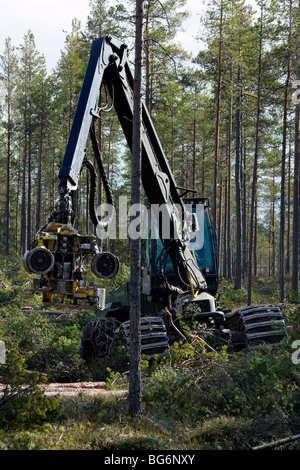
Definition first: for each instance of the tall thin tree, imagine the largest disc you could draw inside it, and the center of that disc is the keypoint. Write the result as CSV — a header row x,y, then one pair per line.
x,y
217,132
295,243
8,66
283,164
254,179
238,192
135,244
295,250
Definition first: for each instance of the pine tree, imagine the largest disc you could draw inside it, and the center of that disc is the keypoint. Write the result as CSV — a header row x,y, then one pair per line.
x,y
162,22
107,19
9,73
70,72
32,68
135,244
283,161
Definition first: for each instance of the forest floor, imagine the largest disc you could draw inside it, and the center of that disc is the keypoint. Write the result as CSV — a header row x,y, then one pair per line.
x,y
192,399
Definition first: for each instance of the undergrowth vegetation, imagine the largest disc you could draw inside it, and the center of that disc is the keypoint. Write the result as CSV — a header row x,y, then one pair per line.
x,y
194,397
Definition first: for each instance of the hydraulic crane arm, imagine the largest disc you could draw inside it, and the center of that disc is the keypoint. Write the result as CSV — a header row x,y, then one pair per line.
x,y
108,65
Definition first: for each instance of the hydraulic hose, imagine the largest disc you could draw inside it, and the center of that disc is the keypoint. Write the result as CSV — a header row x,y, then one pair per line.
x,y
92,196
106,185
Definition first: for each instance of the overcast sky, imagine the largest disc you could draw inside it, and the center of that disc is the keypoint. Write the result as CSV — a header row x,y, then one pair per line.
x,y
47,19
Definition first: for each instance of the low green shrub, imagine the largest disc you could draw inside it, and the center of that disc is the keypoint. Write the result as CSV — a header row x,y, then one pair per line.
x,y
221,433
23,404
244,384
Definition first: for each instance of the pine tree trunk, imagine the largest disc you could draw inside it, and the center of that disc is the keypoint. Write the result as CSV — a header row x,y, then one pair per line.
x,y
135,244
254,179
39,189
244,205
194,155
219,229
226,207
18,245
288,235
283,165
147,61
273,270
228,236
183,156
29,192
217,133
295,242
282,194
8,181
238,193
255,239
295,273
23,210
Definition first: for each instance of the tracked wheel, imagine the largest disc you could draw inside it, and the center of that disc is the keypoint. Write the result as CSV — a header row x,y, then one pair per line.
x,y
97,337
154,338
256,325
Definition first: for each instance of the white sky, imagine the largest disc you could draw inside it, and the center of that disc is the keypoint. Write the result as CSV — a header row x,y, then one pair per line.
x,y
47,19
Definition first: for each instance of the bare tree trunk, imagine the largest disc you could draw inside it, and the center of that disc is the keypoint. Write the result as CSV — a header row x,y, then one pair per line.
x,y
287,261
147,60
254,180
39,191
18,246
219,228
135,244
8,182
283,164
217,134
228,250
272,229
203,181
238,255
183,162
255,240
274,255
23,243
29,190
194,155
226,207
295,273
244,203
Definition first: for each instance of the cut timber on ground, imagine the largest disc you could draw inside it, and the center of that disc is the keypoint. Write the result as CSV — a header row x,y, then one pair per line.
x,y
71,389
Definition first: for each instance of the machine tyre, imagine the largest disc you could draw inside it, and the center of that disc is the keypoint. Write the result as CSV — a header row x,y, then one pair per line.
x,y
97,337
255,325
154,338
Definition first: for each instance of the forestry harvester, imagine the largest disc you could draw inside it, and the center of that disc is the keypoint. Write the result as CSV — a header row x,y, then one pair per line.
x,y
179,263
